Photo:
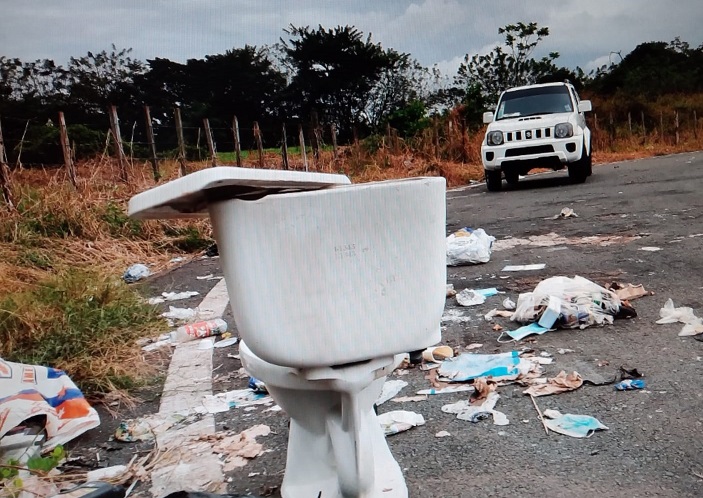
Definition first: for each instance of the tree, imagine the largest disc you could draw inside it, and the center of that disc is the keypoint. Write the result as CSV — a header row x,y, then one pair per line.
x,y
98,80
508,67
334,71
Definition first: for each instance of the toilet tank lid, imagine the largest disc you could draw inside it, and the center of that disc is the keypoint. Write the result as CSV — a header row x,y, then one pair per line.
x,y
189,196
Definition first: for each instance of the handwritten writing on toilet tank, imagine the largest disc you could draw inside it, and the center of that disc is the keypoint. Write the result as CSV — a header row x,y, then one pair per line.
x,y
345,251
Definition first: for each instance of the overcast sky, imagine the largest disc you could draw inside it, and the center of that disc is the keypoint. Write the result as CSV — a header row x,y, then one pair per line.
x,y
441,32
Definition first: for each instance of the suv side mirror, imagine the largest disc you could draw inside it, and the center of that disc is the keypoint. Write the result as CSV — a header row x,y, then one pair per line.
x,y
488,117
585,106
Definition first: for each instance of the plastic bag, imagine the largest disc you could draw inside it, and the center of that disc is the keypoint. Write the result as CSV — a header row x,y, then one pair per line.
x,y
582,302
467,246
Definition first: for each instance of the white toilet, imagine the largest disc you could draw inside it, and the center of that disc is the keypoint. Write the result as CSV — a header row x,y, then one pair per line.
x,y
330,283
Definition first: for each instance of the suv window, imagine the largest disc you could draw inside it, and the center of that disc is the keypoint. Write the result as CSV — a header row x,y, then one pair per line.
x,y
532,101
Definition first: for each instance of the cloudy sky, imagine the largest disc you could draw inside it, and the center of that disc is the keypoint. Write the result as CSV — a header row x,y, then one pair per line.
x,y
434,31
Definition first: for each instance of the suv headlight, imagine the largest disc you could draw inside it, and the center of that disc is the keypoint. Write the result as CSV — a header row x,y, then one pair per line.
x,y
495,138
563,130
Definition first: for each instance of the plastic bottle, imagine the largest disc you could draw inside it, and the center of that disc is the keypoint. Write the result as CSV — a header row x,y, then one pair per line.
x,y
198,330
630,384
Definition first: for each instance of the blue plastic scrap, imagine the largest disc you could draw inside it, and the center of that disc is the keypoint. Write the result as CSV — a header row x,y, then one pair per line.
x,y
574,425
630,384
522,332
468,366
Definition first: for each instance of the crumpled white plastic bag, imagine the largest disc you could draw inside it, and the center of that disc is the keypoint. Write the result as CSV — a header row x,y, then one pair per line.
x,y
468,247
583,302
693,325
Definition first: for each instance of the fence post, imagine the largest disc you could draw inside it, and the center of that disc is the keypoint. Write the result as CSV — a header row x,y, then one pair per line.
x,y
464,155
284,146
18,163
66,149
210,142
315,140
629,122
181,142
259,143
115,127
661,124
695,124
5,176
676,126
595,121
237,143
152,143
301,135
333,132
644,128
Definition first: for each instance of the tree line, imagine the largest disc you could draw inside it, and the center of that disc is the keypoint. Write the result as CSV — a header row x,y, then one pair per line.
x,y
329,75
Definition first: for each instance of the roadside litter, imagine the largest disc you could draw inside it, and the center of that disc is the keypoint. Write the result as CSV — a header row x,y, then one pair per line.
x,y
628,292
257,386
533,267
564,213
239,398
405,399
442,434
180,314
579,426
650,249
450,290
230,341
32,390
436,354
508,304
172,296
446,390
391,388
149,427
522,332
399,421
198,330
238,448
135,273
569,303
496,312
471,297
563,382
467,246
693,325
469,366
630,385
454,316
464,410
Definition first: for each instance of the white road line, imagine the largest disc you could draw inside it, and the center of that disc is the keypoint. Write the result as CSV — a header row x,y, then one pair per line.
x,y
193,467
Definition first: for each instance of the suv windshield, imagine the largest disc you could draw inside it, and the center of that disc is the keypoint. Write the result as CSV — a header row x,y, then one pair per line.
x,y
532,101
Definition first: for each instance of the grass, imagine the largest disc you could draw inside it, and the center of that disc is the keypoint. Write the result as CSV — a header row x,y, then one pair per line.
x,y
63,251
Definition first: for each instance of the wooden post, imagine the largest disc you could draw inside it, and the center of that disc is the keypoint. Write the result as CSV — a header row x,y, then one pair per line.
x,y
115,127
389,136
644,128
181,142
315,139
66,149
695,124
595,121
661,124
5,185
152,143
18,163
197,145
210,141
611,130
333,132
435,131
259,144
464,155
301,136
676,127
284,147
629,122
237,144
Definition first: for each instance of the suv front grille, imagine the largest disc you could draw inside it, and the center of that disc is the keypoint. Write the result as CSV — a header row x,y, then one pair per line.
x,y
514,136
524,151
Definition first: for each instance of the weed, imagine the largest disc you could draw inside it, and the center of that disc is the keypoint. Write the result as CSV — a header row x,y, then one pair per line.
x,y
81,322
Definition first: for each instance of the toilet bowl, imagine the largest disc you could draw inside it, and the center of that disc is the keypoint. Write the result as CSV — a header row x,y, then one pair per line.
x,y
329,283
336,446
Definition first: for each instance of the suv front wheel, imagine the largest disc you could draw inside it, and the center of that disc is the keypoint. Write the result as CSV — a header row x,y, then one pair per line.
x,y
581,169
494,180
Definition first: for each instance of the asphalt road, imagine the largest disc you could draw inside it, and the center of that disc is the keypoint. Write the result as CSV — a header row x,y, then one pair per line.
x,y
654,445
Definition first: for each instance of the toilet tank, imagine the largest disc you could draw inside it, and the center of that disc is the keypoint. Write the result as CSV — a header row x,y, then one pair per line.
x,y
339,275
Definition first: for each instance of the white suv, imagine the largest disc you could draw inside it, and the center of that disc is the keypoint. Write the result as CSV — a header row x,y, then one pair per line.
x,y
537,126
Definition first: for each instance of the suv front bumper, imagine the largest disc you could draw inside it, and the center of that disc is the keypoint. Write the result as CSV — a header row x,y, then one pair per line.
x,y
536,153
